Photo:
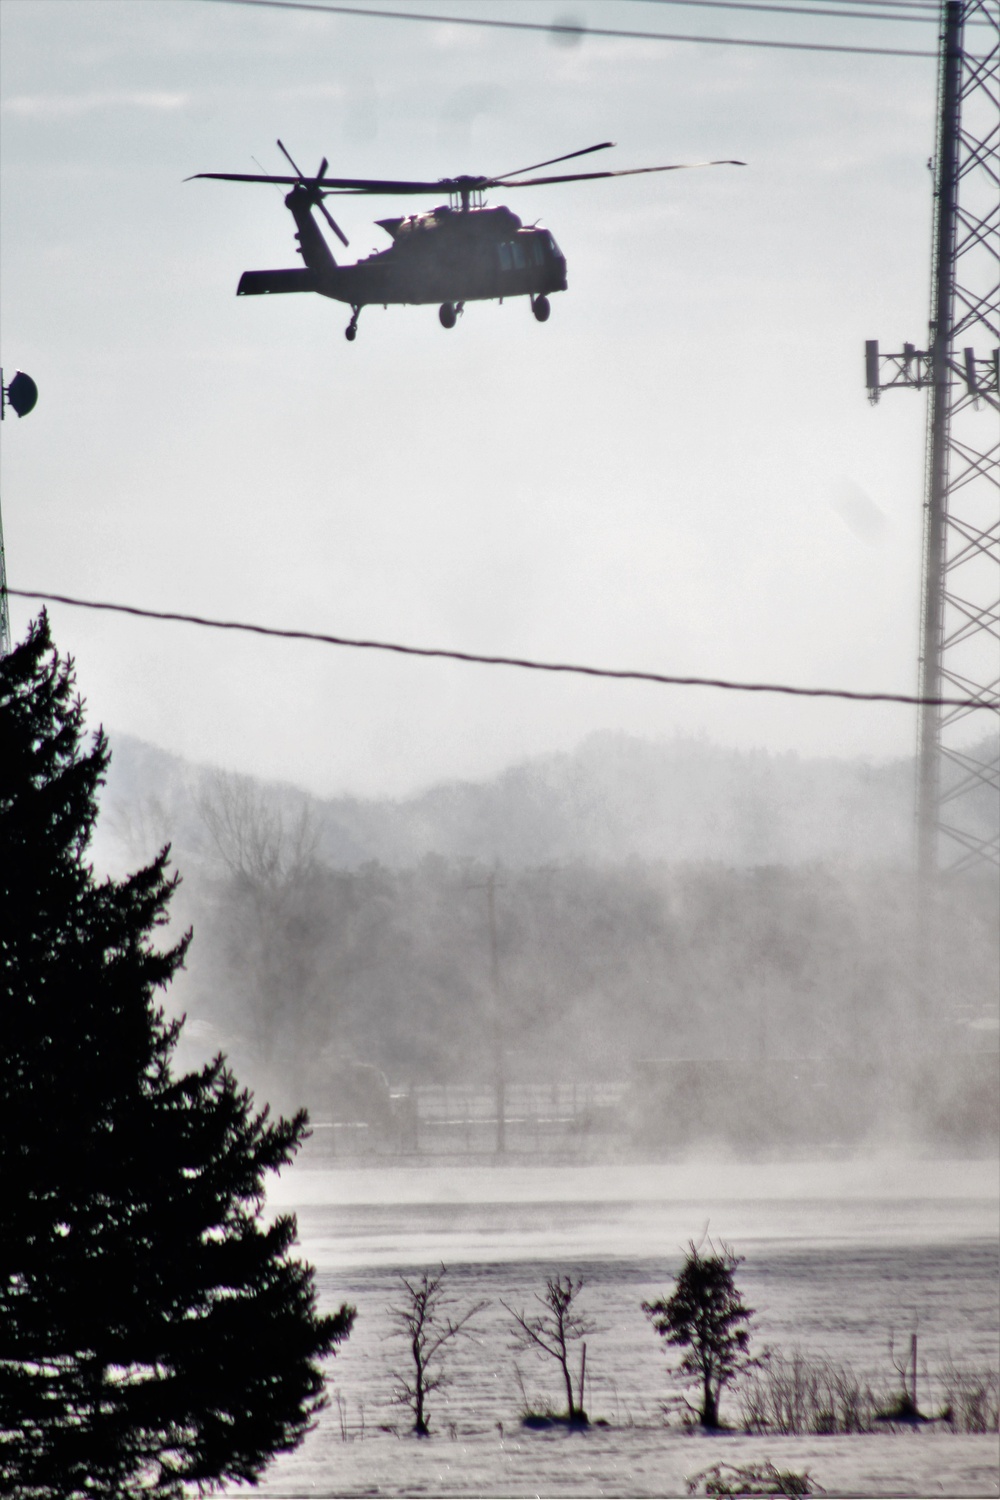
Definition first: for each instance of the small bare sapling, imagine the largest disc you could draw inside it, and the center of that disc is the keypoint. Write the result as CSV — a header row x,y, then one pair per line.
x,y
552,1331
428,1320
904,1408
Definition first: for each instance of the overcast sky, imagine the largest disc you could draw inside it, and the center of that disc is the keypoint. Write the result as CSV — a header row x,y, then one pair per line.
x,y
679,472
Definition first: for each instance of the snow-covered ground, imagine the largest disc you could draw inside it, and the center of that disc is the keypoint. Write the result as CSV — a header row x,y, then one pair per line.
x,y
838,1257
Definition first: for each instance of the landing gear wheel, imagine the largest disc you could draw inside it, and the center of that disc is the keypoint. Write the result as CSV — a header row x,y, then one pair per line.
x,y
351,331
448,314
541,308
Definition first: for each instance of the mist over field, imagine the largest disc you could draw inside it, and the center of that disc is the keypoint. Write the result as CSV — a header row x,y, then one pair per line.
x,y
571,971
724,945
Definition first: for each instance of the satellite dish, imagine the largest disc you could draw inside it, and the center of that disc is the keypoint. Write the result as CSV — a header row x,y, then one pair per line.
x,y
21,394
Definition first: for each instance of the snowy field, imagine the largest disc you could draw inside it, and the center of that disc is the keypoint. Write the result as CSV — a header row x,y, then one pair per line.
x,y
838,1256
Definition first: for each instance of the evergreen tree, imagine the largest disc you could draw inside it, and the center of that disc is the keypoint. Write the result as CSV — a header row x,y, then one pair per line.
x,y
707,1318
154,1334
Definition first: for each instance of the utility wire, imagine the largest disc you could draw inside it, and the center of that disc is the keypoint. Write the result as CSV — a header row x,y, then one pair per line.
x,y
933,7
921,17
922,14
566,28
506,661
865,10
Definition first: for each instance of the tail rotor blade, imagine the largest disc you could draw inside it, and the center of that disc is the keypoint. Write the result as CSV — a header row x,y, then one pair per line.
x,y
342,237
288,157
315,194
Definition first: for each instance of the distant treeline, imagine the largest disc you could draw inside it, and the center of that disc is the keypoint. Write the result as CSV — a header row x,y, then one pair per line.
x,y
613,798
300,967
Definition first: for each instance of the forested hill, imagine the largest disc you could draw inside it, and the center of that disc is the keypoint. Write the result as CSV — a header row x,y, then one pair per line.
x,y
673,900
613,798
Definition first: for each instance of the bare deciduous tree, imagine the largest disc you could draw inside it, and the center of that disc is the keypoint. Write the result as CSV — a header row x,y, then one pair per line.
x,y
273,927
427,1320
553,1330
251,833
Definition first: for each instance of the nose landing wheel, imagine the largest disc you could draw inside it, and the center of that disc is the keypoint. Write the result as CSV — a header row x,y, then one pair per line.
x,y
450,312
351,331
541,308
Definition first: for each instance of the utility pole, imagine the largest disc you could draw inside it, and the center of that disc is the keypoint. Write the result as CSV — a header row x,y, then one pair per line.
x,y
21,395
499,1063
4,611
960,593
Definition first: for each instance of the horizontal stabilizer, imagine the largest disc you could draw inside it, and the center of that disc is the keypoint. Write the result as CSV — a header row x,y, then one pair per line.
x,y
259,283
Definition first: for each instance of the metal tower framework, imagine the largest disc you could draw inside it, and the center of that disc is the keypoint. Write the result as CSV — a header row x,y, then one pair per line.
x,y
958,764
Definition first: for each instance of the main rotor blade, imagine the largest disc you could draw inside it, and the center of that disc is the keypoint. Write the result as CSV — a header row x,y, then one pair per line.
x,y
449,185
378,185
244,177
288,157
603,146
345,185
280,181
680,166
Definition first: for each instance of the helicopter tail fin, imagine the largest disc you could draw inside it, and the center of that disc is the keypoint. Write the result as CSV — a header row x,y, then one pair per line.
x,y
260,283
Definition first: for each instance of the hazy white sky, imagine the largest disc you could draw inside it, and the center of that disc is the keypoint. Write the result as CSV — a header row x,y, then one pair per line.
x,y
679,472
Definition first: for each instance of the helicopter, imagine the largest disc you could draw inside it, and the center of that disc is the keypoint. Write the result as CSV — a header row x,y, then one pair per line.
x,y
460,251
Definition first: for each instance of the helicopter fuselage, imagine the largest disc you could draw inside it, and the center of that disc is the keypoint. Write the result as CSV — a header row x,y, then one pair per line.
x,y
459,252
446,255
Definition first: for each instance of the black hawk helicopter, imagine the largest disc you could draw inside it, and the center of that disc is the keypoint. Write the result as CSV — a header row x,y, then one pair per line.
x,y
462,251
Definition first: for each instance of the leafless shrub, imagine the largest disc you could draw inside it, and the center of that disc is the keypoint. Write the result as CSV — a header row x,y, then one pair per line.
x,y
971,1398
535,1404
856,1402
752,1479
797,1393
619,1406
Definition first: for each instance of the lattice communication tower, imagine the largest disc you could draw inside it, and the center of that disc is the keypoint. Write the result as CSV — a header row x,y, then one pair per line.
x,y
958,763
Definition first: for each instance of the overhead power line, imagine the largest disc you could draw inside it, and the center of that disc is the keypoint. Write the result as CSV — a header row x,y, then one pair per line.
x,y
864,10
525,663
921,16
810,8
570,29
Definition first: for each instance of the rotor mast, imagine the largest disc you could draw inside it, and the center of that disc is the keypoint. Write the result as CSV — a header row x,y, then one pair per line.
x,y
468,191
